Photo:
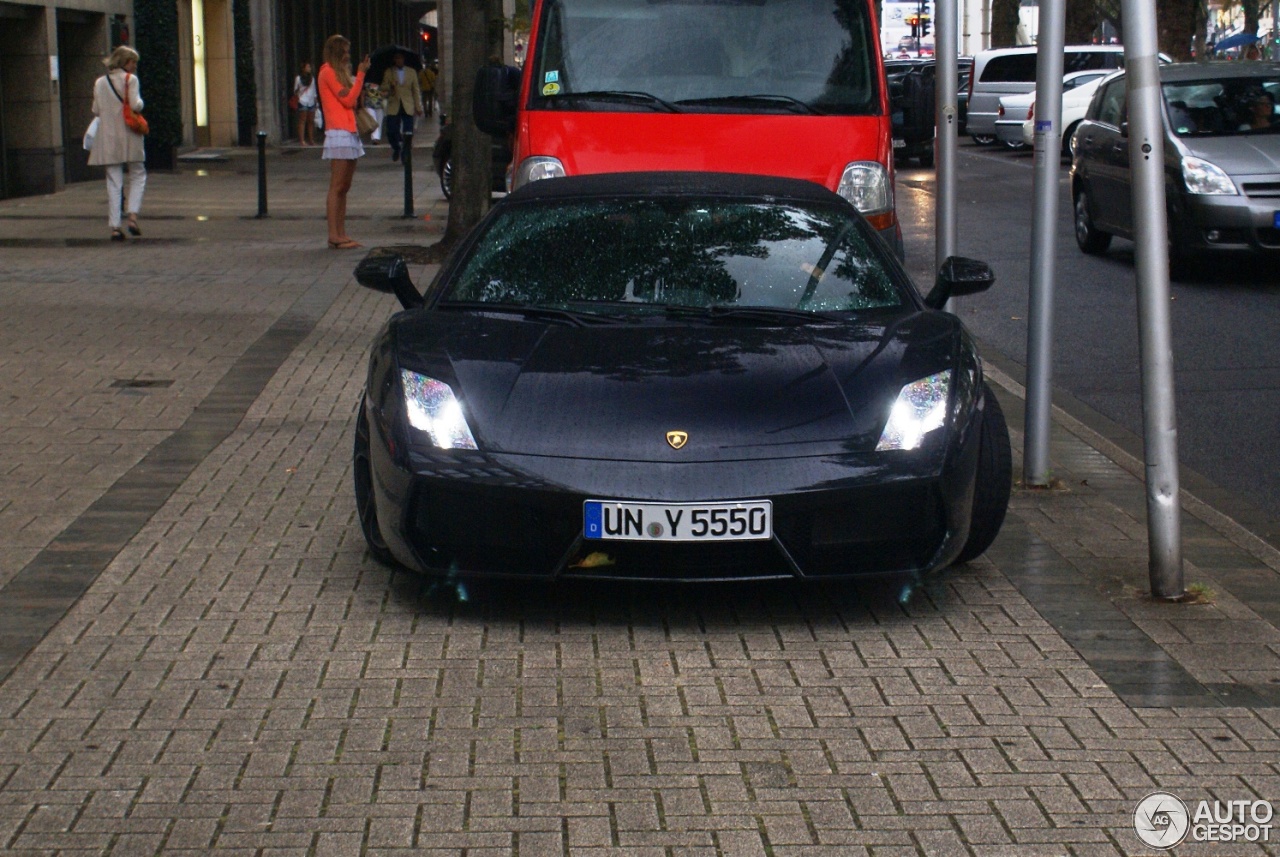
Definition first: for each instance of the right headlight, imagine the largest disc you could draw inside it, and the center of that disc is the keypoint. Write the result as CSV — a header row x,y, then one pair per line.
x,y
1203,177
431,407
537,168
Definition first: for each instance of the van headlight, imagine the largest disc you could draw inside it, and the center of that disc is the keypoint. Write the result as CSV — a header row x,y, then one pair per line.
x,y
431,407
866,185
537,168
920,408
1203,177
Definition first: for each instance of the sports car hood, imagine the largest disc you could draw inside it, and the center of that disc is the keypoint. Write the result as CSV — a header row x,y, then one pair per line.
x,y
614,392
1239,155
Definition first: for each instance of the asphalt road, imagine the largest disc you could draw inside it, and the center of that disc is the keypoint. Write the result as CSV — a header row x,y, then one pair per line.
x,y
1226,317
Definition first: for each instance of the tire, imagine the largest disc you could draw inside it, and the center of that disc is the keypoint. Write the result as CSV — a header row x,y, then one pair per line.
x,y
362,470
993,483
446,178
1014,146
983,139
1066,140
1090,238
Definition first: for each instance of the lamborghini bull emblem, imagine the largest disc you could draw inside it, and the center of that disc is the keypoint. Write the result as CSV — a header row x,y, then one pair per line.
x,y
677,439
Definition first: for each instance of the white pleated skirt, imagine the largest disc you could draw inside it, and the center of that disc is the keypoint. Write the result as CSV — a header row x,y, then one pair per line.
x,y
342,146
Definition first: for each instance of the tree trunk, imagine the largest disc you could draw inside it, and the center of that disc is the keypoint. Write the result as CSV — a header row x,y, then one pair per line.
x,y
472,149
1004,23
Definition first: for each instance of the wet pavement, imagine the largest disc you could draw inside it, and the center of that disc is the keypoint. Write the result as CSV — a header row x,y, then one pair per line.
x,y
197,655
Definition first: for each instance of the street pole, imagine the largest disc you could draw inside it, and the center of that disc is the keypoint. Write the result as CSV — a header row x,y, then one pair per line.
x,y
1160,433
946,143
1044,250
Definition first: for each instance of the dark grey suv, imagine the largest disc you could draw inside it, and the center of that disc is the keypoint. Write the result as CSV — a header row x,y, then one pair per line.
x,y
1221,155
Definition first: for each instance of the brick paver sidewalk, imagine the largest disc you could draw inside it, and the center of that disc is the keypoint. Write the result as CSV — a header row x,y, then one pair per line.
x,y
240,678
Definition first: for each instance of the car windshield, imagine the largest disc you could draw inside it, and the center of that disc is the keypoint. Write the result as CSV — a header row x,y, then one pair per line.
x,y
1225,106
706,55
650,255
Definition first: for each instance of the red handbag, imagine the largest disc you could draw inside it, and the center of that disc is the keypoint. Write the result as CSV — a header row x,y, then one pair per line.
x,y
135,122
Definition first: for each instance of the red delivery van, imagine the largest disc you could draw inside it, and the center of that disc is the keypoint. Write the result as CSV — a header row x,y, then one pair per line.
x,y
776,87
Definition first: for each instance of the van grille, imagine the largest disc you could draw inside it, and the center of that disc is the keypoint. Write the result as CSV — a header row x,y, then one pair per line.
x,y
1262,190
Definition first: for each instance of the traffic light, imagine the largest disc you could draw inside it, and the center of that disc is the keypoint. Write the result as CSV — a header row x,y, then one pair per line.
x,y
924,26
914,21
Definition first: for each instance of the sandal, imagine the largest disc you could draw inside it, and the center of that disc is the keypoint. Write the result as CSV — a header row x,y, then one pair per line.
x,y
117,235
133,226
345,244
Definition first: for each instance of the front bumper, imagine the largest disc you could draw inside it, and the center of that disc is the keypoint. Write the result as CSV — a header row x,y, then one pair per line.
x,y
522,516
1246,222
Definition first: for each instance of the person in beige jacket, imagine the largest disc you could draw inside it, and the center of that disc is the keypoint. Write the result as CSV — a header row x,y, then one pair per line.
x,y
404,102
115,145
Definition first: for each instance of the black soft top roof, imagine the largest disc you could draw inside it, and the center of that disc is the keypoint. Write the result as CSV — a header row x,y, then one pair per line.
x,y
676,184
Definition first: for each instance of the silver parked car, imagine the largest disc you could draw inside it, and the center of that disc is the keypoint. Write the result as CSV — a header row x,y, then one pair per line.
x,y
1221,154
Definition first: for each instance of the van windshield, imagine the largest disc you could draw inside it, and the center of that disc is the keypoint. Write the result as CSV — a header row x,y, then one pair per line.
x,y
720,56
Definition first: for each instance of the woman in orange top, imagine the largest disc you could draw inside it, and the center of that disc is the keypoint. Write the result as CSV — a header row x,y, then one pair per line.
x,y
339,94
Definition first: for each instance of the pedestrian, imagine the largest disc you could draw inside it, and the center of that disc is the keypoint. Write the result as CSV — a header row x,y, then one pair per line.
x,y
427,83
305,98
404,101
339,93
116,146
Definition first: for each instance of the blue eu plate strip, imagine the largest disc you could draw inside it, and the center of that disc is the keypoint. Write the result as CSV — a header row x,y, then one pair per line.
x,y
592,527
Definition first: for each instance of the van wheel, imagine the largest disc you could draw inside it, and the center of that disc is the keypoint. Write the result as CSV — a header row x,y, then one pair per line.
x,y
446,178
983,139
366,508
994,482
1091,239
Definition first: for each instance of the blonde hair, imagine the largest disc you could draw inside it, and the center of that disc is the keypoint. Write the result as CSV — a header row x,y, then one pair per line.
x,y
336,55
119,57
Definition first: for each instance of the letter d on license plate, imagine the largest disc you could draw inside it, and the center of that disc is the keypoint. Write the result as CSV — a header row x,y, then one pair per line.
x,y
677,522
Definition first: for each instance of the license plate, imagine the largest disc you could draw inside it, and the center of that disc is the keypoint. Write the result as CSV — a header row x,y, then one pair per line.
x,y
899,144
677,522
1277,219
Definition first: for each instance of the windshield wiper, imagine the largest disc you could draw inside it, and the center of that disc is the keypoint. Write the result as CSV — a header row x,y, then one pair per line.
x,y
621,95
718,312
795,105
544,313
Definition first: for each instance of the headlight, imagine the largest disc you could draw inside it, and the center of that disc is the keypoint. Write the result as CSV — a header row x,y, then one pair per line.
x,y
866,185
537,168
921,407
432,408
1206,178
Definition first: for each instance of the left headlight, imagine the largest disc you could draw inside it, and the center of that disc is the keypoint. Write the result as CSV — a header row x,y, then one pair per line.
x,y
1203,177
432,407
920,408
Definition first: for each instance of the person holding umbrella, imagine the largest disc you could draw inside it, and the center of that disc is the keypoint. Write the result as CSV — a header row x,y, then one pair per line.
x,y
404,102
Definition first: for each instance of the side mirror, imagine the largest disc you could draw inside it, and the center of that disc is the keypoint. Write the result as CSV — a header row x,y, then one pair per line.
x,y
385,270
959,276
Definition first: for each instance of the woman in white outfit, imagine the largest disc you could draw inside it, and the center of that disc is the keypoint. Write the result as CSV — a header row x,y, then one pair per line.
x,y
115,145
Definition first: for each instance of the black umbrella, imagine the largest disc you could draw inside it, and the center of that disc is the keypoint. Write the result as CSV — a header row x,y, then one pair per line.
x,y
385,57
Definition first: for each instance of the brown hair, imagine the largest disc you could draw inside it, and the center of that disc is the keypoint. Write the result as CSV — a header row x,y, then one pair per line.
x,y
119,57
336,55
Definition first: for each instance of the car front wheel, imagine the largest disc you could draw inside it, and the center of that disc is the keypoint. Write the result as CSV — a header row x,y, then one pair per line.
x,y
994,481
1091,239
362,469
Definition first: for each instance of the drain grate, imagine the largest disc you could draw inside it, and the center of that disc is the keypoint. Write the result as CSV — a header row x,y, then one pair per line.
x,y
141,383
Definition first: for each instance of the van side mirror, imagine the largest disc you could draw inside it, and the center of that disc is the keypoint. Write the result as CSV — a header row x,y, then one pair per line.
x,y
385,270
959,276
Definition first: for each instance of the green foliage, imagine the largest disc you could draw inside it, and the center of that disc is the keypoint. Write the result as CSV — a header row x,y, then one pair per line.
x,y
156,23
246,83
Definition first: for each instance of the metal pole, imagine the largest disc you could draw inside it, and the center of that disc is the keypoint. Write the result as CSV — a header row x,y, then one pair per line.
x,y
262,174
406,156
1044,251
1146,163
945,141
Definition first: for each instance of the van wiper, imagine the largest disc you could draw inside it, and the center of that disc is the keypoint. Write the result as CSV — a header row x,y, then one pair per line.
x,y
542,313
795,105
622,95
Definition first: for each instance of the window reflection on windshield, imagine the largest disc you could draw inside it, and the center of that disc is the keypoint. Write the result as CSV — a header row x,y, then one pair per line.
x,y
1226,106
818,52
647,254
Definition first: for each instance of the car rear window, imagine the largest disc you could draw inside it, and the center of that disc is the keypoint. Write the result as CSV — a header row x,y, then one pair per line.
x,y
687,252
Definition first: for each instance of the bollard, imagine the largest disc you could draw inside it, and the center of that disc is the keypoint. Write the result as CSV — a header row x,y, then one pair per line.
x,y
406,155
262,174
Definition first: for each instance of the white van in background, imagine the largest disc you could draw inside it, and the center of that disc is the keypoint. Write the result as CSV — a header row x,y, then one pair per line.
x,y
1009,71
